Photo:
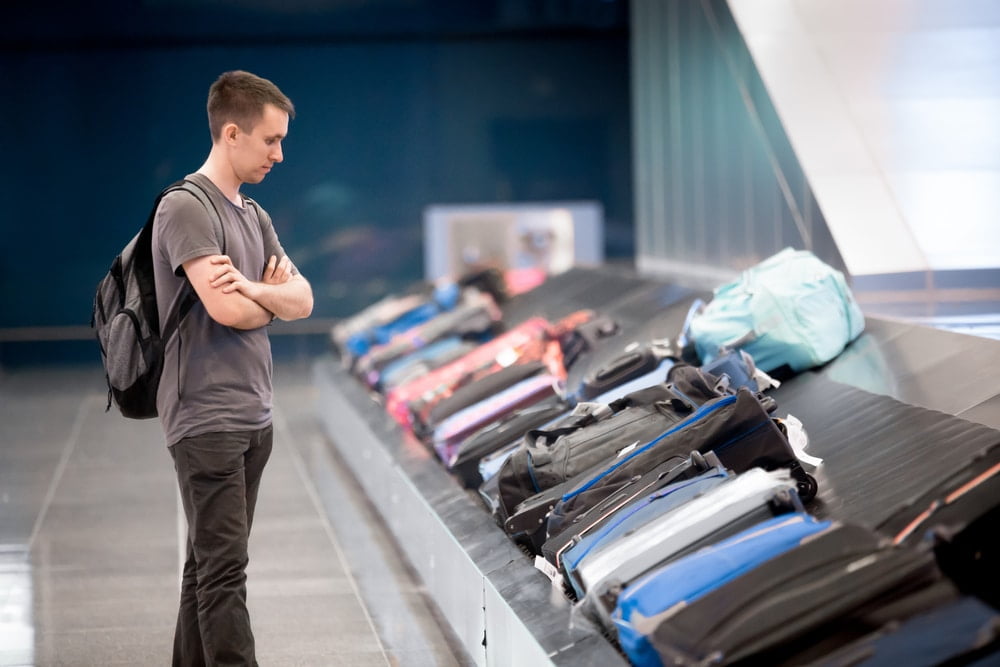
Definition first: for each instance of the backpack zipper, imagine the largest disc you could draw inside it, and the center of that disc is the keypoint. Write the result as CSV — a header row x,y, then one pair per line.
x,y
698,414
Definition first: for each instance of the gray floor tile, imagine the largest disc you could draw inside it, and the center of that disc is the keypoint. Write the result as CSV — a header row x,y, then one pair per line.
x,y
90,538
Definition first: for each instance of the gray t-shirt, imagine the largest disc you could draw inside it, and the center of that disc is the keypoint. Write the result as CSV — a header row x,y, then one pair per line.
x,y
215,378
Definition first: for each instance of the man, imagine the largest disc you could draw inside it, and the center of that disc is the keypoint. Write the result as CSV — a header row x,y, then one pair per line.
x,y
214,398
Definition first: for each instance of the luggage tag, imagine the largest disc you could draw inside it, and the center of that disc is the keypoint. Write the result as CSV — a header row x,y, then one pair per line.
x,y
799,440
548,569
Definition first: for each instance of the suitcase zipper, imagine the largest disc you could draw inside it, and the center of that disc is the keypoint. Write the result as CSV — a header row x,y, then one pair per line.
x,y
698,414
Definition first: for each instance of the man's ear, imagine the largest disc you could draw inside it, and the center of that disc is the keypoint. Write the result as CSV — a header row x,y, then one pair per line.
x,y
230,132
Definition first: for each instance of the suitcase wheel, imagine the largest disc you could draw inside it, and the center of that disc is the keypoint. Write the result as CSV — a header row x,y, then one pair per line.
x,y
806,486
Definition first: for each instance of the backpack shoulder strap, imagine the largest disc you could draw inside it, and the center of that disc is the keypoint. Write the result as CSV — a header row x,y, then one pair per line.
x,y
190,297
213,212
251,204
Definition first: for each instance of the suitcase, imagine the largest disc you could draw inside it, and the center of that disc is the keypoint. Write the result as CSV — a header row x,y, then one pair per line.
x,y
532,340
636,360
682,582
527,339
420,362
740,370
381,312
444,297
736,428
554,455
650,537
656,376
501,432
591,539
675,480
961,519
473,393
959,631
451,432
579,343
477,319
781,608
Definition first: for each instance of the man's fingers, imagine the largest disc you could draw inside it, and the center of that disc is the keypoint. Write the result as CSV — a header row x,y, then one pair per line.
x,y
277,271
220,259
269,269
285,268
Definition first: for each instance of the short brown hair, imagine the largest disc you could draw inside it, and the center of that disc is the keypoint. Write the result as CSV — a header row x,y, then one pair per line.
x,y
239,97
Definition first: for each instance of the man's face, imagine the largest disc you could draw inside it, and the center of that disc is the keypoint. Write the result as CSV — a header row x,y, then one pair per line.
x,y
255,153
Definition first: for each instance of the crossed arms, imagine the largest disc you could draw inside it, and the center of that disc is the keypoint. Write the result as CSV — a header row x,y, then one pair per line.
x,y
235,301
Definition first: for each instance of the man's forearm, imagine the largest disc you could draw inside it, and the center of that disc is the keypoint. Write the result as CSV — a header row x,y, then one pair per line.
x,y
291,300
250,314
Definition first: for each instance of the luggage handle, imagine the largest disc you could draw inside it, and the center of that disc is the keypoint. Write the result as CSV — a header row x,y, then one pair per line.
x,y
617,365
675,405
549,436
585,417
528,519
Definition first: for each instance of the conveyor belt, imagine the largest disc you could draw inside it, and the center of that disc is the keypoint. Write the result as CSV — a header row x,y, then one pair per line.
x,y
897,411
878,453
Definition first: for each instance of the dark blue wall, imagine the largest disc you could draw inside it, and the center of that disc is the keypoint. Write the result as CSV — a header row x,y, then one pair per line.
x,y
98,119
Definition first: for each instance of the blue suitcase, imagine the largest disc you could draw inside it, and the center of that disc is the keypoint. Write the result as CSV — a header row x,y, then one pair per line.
x,y
774,607
633,517
650,538
687,579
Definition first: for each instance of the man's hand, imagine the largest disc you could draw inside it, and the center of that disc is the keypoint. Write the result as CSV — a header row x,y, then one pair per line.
x,y
280,293
228,278
276,273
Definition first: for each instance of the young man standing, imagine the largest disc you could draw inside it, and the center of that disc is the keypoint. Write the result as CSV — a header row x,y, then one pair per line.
x,y
214,398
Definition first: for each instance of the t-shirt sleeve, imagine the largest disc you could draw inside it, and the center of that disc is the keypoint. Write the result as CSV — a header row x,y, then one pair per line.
x,y
185,230
271,244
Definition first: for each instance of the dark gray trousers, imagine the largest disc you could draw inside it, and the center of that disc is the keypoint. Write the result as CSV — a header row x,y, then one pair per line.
x,y
218,475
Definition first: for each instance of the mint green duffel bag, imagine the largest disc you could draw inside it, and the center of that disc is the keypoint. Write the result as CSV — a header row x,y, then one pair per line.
x,y
789,309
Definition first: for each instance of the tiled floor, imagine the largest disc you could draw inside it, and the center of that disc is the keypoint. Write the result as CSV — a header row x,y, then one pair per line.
x,y
90,533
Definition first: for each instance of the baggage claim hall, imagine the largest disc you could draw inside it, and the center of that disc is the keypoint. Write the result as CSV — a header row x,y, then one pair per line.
x,y
644,332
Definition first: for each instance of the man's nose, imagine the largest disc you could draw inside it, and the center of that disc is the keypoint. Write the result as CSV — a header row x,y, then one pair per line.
x,y
276,154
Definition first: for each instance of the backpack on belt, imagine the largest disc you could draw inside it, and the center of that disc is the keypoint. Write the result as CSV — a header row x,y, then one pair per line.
x,y
791,309
126,320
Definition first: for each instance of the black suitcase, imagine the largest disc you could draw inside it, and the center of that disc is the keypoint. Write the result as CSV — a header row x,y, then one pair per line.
x,y
959,630
789,605
580,343
736,428
474,392
565,449
555,455
961,519
635,361
500,433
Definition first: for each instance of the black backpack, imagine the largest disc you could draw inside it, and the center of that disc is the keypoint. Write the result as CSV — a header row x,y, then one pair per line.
x,y
126,320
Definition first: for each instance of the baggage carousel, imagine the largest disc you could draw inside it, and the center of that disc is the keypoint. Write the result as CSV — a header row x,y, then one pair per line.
x,y
901,407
